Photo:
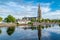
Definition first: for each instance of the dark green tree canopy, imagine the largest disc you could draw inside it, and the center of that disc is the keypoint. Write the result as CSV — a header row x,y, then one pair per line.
x,y
10,18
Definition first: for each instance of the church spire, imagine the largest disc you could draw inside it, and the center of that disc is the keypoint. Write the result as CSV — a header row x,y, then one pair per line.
x,y
39,12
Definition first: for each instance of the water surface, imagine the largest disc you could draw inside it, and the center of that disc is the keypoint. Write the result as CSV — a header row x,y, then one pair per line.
x,y
47,32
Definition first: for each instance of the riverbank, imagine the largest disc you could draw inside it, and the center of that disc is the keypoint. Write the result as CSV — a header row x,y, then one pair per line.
x,y
14,24
44,23
7,24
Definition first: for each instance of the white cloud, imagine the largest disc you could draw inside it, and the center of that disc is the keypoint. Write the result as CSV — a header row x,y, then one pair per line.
x,y
45,33
20,11
55,29
53,14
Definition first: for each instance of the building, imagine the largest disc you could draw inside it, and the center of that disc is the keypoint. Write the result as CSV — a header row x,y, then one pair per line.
x,y
23,21
38,17
39,12
29,18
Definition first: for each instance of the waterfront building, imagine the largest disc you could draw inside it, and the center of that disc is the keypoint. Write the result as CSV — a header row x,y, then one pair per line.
x,y
22,21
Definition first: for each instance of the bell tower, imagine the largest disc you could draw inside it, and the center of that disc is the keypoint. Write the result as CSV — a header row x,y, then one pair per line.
x,y
39,12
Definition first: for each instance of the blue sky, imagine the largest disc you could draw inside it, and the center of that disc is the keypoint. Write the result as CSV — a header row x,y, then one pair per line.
x,y
28,8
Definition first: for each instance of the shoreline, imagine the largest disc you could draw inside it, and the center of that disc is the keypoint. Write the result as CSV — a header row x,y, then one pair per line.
x,y
14,24
7,24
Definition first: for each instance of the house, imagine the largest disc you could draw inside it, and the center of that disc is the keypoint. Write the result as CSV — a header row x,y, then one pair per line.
x,y
20,21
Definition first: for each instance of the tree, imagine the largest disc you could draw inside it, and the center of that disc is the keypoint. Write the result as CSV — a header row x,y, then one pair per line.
x,y
10,18
39,20
1,19
33,20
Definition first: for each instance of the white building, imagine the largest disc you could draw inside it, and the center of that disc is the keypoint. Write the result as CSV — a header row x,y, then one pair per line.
x,y
23,21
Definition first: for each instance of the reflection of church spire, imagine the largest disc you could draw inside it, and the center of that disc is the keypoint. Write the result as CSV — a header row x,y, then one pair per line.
x,y
39,12
39,32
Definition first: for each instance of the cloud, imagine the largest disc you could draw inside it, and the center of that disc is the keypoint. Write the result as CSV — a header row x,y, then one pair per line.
x,y
19,11
53,14
55,29
47,13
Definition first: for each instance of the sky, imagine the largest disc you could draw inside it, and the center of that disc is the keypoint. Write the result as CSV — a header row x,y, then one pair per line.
x,y
29,8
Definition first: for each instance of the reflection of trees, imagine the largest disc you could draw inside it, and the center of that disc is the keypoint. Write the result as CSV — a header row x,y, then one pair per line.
x,y
36,28
10,30
33,28
0,31
47,26
39,28
59,25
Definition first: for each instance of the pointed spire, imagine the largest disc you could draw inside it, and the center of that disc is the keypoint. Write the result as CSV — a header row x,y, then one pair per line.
x,y
39,6
39,12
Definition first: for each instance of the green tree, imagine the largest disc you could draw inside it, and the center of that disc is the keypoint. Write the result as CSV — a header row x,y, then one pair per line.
x,y
1,19
10,18
33,20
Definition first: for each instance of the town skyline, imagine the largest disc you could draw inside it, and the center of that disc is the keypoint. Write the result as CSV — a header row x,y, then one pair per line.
x,y
28,8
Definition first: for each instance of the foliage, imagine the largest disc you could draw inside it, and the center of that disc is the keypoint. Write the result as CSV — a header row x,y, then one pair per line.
x,y
10,18
17,23
30,23
39,20
33,20
1,19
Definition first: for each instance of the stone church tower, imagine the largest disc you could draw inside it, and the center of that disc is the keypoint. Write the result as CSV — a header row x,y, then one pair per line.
x,y
39,12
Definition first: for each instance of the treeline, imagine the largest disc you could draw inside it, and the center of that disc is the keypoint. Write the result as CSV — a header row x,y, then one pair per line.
x,y
46,20
9,18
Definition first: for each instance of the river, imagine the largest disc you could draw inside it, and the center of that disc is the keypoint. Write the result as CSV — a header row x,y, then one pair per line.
x,y
46,32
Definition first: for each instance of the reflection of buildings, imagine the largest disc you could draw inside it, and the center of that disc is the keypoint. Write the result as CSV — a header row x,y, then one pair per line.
x,y
38,28
39,32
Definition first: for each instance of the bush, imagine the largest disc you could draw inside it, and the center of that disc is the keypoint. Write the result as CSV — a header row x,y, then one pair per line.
x,y
30,23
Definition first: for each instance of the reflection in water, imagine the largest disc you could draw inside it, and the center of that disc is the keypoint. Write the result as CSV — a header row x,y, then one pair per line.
x,y
31,33
48,26
59,25
39,28
0,31
10,30
39,32
33,28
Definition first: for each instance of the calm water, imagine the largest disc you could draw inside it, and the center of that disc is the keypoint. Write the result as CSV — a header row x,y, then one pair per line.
x,y
46,32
